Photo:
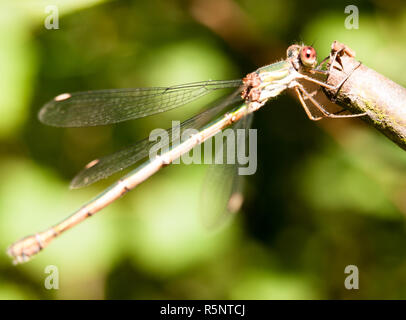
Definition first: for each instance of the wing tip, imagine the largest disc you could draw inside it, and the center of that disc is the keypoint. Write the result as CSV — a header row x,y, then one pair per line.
x,y
47,113
78,181
74,185
81,180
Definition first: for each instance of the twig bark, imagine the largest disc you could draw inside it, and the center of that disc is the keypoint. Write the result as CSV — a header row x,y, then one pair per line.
x,y
366,90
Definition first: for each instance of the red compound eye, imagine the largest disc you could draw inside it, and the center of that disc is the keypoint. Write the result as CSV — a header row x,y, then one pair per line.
x,y
308,56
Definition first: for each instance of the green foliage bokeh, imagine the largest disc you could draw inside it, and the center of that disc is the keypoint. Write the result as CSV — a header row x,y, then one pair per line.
x,y
326,195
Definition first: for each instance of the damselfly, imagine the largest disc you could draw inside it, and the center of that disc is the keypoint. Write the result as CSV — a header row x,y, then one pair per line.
x,y
111,106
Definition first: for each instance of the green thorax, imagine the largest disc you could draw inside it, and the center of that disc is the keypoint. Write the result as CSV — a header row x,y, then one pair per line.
x,y
275,71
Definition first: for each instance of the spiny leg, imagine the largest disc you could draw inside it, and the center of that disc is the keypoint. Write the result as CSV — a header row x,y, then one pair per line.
x,y
337,51
330,64
315,70
305,107
318,68
321,63
323,110
328,86
304,95
303,99
338,86
334,58
313,93
340,111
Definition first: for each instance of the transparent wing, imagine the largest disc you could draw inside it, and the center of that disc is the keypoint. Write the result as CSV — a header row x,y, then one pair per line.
x,y
222,194
100,107
104,167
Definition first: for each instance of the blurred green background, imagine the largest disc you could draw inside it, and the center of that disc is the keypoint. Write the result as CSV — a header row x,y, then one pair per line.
x,y
326,195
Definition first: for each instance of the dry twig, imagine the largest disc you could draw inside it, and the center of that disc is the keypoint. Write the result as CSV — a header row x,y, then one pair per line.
x,y
366,90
